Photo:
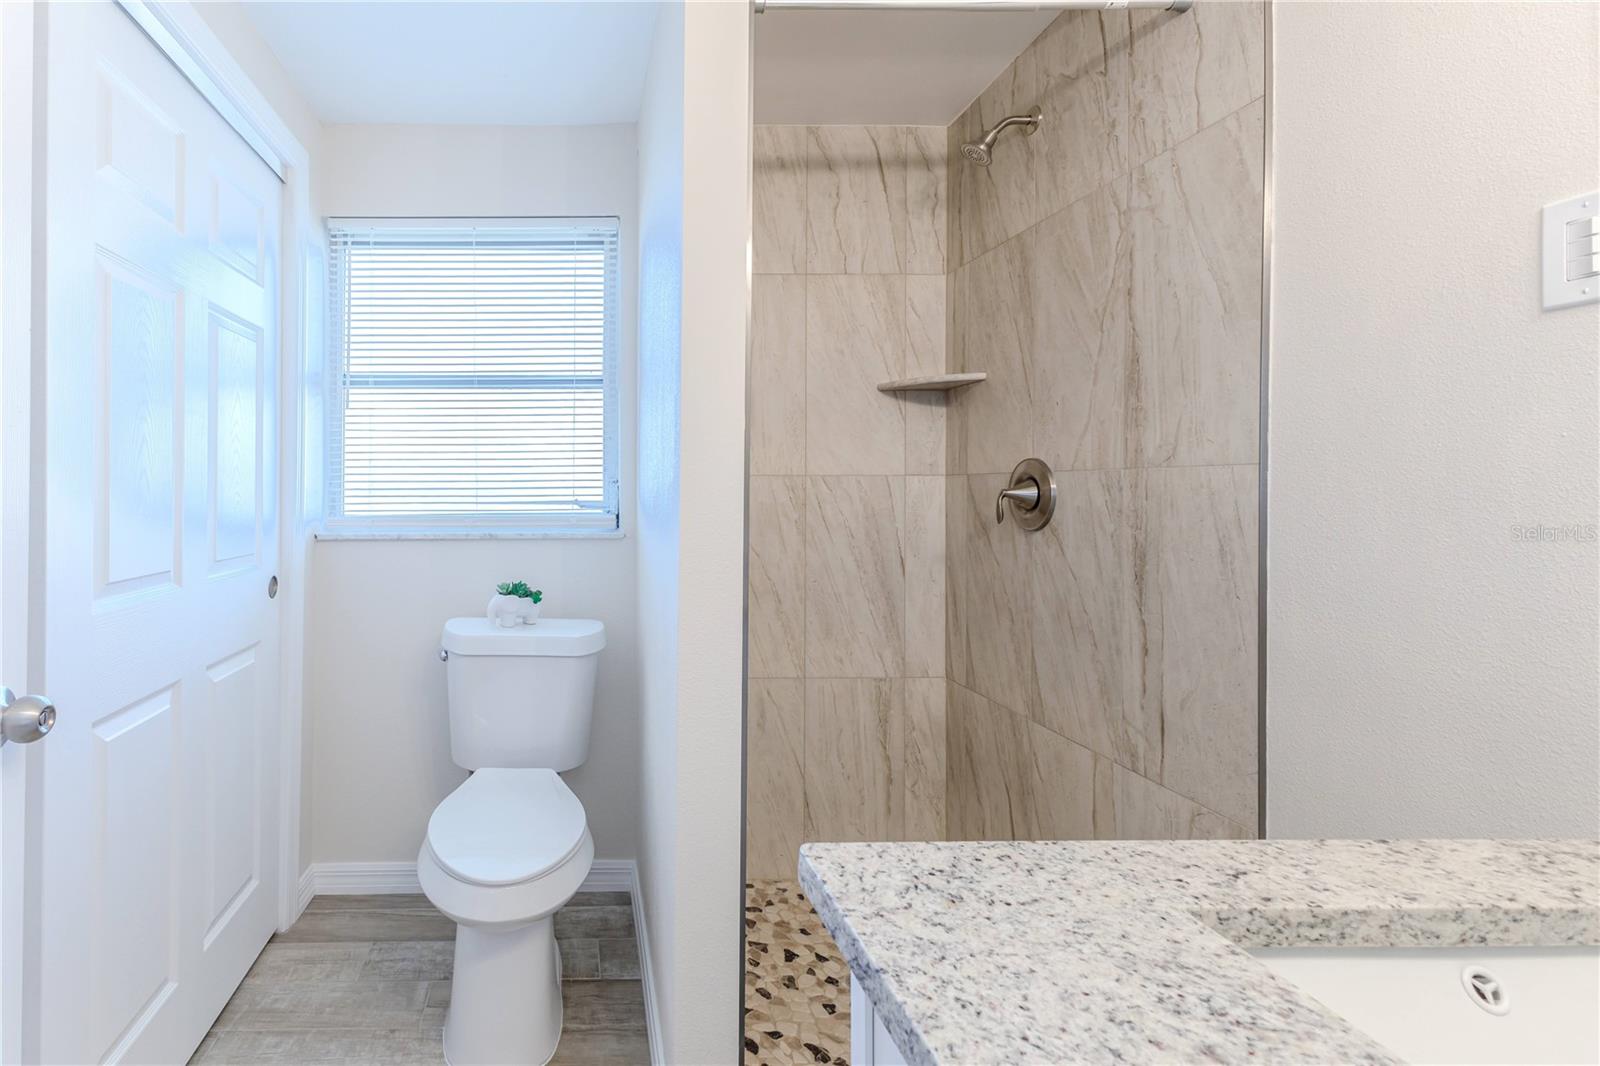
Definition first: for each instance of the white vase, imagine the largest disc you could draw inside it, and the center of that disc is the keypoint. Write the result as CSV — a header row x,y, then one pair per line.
x,y
528,612
505,611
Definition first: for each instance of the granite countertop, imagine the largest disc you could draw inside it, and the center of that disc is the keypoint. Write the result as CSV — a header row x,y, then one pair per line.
x,y
1066,951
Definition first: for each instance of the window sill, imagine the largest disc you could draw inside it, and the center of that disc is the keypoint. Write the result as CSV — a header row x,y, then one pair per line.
x,y
468,534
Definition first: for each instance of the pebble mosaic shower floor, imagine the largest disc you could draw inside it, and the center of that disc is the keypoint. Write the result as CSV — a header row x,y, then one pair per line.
x,y
796,984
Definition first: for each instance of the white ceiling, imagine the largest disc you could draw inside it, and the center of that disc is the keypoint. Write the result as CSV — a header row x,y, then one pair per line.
x,y
891,67
582,62
534,64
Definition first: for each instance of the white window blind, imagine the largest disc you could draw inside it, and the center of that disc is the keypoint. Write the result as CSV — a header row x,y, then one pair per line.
x,y
473,373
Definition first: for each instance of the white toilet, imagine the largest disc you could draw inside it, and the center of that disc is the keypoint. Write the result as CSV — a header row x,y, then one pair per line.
x,y
509,847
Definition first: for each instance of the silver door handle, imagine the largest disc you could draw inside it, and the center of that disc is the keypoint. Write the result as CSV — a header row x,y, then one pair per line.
x,y
24,719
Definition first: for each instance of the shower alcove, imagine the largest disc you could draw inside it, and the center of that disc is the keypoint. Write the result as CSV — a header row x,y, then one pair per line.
x,y
920,324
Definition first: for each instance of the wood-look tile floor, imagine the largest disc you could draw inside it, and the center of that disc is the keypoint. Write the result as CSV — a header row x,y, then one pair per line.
x,y
366,979
796,984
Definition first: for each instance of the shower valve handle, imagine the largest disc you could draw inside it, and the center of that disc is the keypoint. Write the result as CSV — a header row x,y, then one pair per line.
x,y
1027,497
1031,491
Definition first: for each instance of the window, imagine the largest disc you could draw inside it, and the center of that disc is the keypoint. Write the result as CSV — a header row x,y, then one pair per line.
x,y
473,374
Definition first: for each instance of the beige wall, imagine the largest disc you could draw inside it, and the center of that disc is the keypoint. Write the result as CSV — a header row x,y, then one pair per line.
x,y
377,731
1430,672
695,221
1107,278
846,585
661,177
377,717
231,23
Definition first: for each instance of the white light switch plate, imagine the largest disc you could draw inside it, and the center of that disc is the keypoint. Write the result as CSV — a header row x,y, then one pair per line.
x,y
1568,260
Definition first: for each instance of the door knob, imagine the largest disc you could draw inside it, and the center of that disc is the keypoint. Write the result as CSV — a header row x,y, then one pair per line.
x,y
1031,492
24,719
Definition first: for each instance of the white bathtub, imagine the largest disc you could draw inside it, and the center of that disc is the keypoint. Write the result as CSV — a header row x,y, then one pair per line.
x,y
1458,1005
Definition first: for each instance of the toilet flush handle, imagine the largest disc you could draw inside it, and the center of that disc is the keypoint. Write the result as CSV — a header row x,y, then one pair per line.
x,y
444,656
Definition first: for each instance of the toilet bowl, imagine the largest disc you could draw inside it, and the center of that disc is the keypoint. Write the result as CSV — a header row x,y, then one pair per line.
x,y
503,853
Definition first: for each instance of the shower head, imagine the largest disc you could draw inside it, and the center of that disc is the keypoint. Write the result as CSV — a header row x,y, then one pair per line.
x,y
981,151
978,153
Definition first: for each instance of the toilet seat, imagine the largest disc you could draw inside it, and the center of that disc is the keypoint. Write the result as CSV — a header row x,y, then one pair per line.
x,y
502,827
508,846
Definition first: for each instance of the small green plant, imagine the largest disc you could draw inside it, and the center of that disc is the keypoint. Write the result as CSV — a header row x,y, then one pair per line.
x,y
519,588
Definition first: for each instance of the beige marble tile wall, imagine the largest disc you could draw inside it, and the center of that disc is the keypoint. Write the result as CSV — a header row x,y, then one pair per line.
x,y
1107,277
847,524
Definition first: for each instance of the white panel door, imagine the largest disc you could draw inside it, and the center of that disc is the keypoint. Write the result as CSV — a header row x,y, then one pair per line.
x,y
158,824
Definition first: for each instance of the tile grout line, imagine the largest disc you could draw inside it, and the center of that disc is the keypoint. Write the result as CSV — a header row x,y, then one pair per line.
x,y
805,515
1123,469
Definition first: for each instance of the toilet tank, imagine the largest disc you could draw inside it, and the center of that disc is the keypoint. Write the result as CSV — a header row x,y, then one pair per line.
x,y
524,696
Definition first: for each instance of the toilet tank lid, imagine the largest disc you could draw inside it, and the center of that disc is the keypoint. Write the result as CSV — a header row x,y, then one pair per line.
x,y
550,636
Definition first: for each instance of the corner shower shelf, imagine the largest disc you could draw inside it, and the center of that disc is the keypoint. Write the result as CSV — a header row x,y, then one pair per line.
x,y
932,383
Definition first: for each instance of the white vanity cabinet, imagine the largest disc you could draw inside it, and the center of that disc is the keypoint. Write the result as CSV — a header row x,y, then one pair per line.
x,y
870,1042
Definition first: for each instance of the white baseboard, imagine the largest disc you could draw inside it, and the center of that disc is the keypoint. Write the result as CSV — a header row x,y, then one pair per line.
x,y
610,875
365,878
652,1019
400,878
307,889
